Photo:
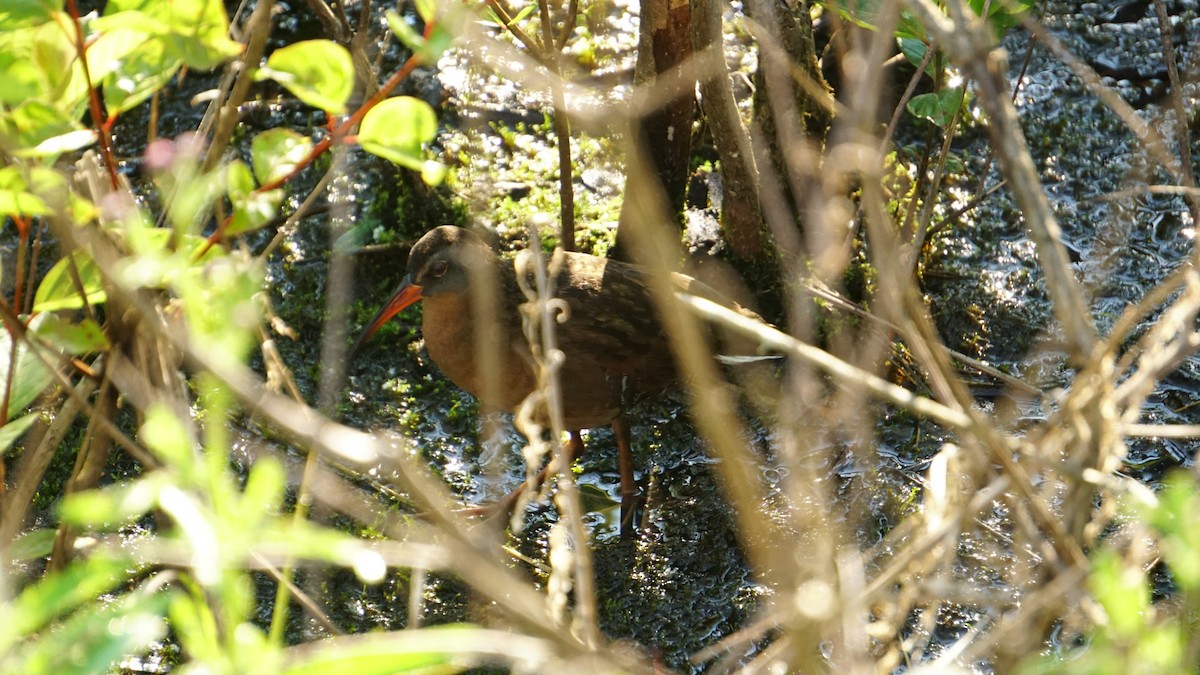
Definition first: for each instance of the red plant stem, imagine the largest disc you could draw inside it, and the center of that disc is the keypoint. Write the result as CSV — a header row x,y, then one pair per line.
x,y
17,330
22,243
101,125
35,249
8,381
23,235
339,133
350,122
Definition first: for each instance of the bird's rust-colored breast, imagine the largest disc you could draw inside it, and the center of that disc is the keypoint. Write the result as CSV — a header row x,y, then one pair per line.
x,y
449,326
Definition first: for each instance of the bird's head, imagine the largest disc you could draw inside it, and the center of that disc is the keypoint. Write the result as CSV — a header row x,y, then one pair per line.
x,y
441,262
445,258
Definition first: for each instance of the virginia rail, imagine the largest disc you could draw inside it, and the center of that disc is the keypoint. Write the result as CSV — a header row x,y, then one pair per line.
x,y
615,347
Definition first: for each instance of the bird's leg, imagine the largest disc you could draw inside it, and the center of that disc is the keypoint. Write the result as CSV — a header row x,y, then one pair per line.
x,y
505,506
630,492
575,447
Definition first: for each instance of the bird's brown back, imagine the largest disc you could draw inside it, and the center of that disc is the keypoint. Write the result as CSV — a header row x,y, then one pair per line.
x,y
614,344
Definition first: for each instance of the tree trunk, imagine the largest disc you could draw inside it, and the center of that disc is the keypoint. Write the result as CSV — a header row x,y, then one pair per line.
x,y
788,114
741,216
665,135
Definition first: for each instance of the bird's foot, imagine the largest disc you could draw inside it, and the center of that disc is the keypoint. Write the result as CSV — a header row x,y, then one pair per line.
x,y
633,505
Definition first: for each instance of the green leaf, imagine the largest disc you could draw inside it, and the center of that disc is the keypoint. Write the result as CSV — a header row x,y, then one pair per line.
x,y
1001,16
863,13
39,129
16,14
408,35
140,15
85,337
32,190
914,50
62,77
318,72
427,10
439,41
199,32
59,593
95,638
154,241
193,196
251,208
163,433
113,506
154,264
195,32
21,76
109,48
428,49
307,541
1175,517
1122,588
196,627
30,377
397,128
16,194
136,73
38,63
955,165
20,203
525,12
9,433
57,290
239,180
938,107
33,544
254,211
356,237
275,153
427,650
199,530
909,28
264,488
47,181
61,144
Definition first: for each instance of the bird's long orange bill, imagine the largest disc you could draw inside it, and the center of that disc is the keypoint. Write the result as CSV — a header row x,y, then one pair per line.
x,y
407,295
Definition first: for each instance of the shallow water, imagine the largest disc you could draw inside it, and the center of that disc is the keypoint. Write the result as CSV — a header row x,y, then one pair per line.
x,y
685,583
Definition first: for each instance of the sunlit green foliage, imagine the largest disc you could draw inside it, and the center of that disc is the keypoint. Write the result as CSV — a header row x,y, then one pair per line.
x,y
190,575
1133,633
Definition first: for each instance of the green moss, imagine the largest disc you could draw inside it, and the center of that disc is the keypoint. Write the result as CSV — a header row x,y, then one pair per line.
x,y
54,483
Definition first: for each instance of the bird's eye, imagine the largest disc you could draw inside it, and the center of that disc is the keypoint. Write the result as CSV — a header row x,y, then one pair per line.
x,y
438,268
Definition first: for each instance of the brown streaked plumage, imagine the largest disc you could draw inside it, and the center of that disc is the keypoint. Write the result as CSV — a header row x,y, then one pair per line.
x,y
614,345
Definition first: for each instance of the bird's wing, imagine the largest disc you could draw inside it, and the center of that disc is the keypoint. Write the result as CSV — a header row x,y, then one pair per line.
x,y
612,314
